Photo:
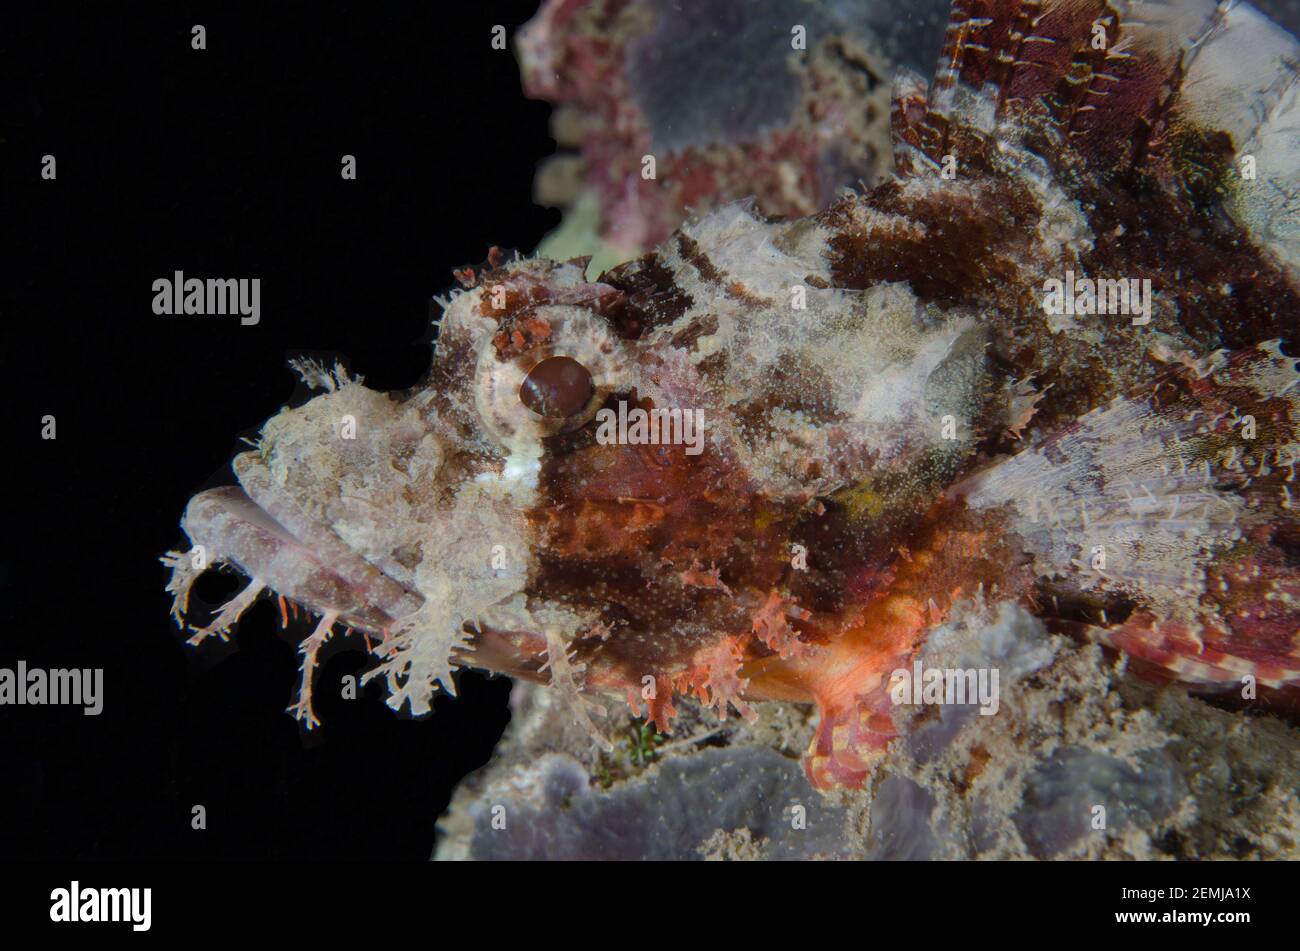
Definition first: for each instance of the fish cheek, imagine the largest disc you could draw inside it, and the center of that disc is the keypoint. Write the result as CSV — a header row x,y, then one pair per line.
x,y
664,548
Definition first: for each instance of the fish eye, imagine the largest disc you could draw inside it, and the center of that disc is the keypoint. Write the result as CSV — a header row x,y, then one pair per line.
x,y
556,388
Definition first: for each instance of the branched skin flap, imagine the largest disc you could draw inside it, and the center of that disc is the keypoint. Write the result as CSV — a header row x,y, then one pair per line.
x,y
849,423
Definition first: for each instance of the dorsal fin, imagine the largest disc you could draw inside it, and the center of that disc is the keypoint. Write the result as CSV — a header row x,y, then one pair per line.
x,y
1182,93
1103,75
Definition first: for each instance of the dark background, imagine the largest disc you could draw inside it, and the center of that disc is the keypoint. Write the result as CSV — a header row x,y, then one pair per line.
x,y
225,163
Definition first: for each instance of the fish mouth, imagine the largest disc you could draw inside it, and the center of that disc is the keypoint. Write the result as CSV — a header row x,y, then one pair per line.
x,y
227,526
257,527
252,527
306,565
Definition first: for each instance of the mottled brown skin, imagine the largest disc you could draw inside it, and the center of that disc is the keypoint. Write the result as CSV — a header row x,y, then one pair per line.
x,y
1147,192
1150,186
620,529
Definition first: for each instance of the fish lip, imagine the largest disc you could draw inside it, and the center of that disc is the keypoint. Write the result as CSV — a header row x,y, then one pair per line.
x,y
372,583
234,528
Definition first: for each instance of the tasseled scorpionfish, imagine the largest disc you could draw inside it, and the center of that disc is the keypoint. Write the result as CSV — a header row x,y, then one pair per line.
x,y
1043,363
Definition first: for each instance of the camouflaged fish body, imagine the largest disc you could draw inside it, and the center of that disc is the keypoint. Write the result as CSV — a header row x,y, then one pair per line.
x,y
894,421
